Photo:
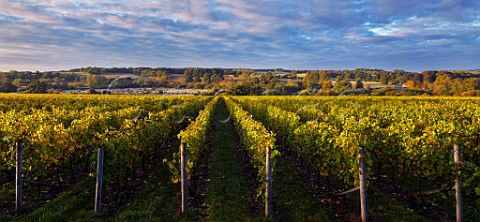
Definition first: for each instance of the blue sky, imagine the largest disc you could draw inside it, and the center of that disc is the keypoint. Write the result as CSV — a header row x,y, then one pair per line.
x,y
295,34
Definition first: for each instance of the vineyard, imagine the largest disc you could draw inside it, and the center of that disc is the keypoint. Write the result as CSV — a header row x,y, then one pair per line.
x,y
170,158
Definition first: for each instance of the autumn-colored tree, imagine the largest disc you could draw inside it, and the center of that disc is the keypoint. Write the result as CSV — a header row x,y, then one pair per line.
x,y
293,74
384,78
323,76
327,85
292,86
442,85
457,87
342,84
428,79
410,84
18,82
311,79
245,74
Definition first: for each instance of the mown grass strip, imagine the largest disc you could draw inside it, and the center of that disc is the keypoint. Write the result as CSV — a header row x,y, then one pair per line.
x,y
157,200
7,201
229,195
384,207
293,197
74,204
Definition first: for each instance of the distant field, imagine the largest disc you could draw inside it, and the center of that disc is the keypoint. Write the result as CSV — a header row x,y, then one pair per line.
x,y
116,75
301,75
276,73
74,73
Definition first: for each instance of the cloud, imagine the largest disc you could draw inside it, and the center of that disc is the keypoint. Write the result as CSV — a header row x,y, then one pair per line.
x,y
318,34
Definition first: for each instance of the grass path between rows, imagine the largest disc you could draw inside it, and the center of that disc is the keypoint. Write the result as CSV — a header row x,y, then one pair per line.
x,y
74,204
381,206
229,195
293,200
158,200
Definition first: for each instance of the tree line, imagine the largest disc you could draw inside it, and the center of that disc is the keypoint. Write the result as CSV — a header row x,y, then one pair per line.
x,y
246,81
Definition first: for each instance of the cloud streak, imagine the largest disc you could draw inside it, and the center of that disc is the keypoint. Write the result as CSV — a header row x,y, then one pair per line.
x,y
306,34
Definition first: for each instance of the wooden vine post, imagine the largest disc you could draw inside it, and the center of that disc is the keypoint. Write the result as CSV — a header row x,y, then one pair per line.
x,y
184,182
363,184
458,181
98,184
18,176
268,187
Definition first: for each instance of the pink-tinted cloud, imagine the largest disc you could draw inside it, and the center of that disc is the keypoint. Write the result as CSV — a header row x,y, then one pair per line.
x,y
244,33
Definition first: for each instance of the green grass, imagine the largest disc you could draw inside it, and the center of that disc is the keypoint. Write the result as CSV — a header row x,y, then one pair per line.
x,y
156,201
229,192
7,201
383,207
294,196
31,200
74,204
229,195
445,202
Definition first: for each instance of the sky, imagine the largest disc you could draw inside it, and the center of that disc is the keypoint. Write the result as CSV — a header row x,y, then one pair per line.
x,y
412,35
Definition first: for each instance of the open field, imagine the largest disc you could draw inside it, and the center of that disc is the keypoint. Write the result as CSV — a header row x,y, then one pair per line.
x,y
120,75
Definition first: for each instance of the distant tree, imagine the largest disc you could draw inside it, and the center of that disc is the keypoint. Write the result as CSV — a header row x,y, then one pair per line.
x,y
346,75
293,74
292,87
323,76
215,78
37,87
53,91
91,91
327,85
342,84
417,80
123,83
206,78
368,78
196,78
18,82
291,83
338,79
358,84
311,79
471,84
90,80
442,85
7,87
428,79
268,80
384,78
100,81
188,74
410,84
457,86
